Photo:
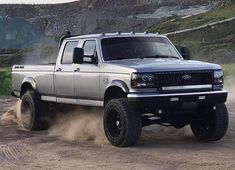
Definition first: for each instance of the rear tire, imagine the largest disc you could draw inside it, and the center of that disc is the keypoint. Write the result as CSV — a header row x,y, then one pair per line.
x,y
214,124
122,123
33,112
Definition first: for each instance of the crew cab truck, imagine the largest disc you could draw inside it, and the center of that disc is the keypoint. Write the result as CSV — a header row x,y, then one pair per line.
x,y
138,78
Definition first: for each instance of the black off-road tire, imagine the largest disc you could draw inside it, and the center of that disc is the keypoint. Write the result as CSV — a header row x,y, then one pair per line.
x,y
214,124
37,118
122,123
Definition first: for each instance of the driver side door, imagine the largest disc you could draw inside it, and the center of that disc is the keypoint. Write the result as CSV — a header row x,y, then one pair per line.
x,y
86,78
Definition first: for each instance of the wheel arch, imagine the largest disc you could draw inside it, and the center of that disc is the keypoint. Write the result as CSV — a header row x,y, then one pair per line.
x,y
28,83
116,89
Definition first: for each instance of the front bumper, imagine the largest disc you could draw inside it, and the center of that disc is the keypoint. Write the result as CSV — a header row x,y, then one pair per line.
x,y
208,97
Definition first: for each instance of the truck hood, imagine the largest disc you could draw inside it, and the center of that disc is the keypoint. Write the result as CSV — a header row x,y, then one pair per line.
x,y
155,65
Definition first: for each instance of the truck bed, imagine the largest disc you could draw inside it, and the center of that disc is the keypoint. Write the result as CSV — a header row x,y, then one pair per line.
x,y
42,75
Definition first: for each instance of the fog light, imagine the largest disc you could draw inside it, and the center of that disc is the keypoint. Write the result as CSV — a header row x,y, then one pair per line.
x,y
174,99
201,97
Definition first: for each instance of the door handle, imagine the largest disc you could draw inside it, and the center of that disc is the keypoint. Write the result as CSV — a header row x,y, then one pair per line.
x,y
59,69
77,70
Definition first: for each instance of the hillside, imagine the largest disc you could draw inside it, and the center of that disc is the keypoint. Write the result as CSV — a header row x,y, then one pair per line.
x,y
17,33
93,16
213,43
22,41
32,28
175,24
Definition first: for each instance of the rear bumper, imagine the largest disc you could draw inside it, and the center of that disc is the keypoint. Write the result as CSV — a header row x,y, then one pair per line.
x,y
211,97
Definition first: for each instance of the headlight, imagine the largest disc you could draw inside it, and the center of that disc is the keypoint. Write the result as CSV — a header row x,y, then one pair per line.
x,y
142,80
218,77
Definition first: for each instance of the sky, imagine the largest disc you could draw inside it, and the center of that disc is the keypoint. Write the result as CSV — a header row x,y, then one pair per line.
x,y
33,1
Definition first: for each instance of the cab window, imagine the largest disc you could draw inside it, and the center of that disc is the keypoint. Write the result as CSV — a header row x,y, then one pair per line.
x,y
90,54
67,57
89,48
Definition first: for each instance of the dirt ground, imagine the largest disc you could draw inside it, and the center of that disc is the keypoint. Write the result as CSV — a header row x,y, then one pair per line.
x,y
159,148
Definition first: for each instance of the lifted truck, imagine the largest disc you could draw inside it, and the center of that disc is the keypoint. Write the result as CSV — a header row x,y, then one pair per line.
x,y
138,78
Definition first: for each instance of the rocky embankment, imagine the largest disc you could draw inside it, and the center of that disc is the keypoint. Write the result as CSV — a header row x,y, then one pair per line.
x,y
92,16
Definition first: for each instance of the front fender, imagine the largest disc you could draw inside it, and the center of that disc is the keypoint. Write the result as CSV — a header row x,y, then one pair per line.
x,y
119,83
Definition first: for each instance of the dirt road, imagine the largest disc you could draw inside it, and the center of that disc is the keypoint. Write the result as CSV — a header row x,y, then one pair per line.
x,y
158,149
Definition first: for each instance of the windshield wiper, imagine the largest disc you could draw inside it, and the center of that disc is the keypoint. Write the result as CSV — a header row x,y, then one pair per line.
x,y
161,56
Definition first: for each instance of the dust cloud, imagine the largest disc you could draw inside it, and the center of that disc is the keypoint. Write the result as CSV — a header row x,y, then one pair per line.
x,y
79,124
42,53
231,93
229,86
12,116
72,123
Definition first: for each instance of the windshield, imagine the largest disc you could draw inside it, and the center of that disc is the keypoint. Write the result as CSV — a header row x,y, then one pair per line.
x,y
119,48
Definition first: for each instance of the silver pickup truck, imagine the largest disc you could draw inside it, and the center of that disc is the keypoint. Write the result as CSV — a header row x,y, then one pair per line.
x,y
138,78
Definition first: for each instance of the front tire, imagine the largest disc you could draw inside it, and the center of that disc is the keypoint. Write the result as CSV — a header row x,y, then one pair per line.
x,y
33,112
122,123
213,125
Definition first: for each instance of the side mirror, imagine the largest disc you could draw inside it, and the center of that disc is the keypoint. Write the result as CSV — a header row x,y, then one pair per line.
x,y
78,55
185,52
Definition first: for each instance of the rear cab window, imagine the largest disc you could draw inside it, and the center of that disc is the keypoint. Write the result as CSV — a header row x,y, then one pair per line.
x,y
67,56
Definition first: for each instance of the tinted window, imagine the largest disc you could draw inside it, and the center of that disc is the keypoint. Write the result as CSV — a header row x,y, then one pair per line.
x,y
119,48
68,52
89,48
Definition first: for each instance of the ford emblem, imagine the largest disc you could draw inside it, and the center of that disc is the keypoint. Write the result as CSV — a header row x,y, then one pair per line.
x,y
186,77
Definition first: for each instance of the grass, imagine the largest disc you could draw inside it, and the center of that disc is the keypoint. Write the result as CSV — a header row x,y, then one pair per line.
x,y
229,69
5,81
215,45
212,44
229,73
194,21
